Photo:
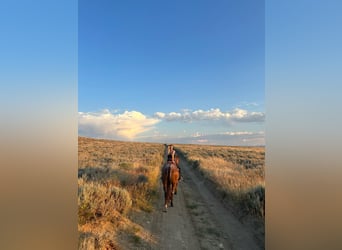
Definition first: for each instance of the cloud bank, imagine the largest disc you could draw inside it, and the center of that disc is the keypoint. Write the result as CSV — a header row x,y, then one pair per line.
x,y
243,138
134,125
236,115
109,125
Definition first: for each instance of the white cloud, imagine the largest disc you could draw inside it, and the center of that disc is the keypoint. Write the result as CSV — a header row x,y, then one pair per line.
x,y
114,126
159,115
241,115
240,138
133,125
236,115
230,138
173,115
197,134
243,133
237,133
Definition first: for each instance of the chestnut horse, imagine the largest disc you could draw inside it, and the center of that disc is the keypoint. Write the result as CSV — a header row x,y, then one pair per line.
x,y
170,176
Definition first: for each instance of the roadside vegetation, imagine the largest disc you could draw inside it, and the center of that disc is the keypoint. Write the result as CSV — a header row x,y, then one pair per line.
x,y
119,182
116,181
237,173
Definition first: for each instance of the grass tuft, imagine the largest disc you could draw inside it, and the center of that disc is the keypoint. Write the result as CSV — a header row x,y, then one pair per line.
x,y
115,179
237,172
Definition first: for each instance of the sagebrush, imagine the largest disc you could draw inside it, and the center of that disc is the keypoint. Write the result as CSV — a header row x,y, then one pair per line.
x,y
114,179
237,172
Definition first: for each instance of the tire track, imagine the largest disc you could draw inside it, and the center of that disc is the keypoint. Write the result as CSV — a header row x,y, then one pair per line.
x,y
198,220
217,226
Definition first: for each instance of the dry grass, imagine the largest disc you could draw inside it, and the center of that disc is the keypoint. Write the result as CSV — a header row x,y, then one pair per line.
x,y
237,172
115,179
119,180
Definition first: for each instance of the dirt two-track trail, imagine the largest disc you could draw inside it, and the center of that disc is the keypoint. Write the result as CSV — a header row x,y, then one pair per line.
x,y
198,220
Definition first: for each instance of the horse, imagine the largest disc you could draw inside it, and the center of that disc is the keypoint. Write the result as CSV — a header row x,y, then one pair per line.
x,y
170,176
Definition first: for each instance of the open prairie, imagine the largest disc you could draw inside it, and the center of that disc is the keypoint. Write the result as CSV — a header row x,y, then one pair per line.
x,y
237,173
115,179
219,204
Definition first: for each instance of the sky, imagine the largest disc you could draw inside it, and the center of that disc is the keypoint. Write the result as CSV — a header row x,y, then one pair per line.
x,y
172,71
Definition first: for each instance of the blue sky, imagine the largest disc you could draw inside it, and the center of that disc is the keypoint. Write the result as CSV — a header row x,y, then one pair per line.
x,y
172,71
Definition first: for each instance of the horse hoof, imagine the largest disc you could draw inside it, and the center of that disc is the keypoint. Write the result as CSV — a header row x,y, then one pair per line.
x,y
171,204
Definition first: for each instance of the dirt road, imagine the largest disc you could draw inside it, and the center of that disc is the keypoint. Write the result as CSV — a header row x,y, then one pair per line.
x,y
198,220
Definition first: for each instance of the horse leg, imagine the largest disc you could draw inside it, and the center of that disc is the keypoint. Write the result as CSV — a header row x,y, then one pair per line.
x,y
172,192
176,188
165,201
170,196
172,200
